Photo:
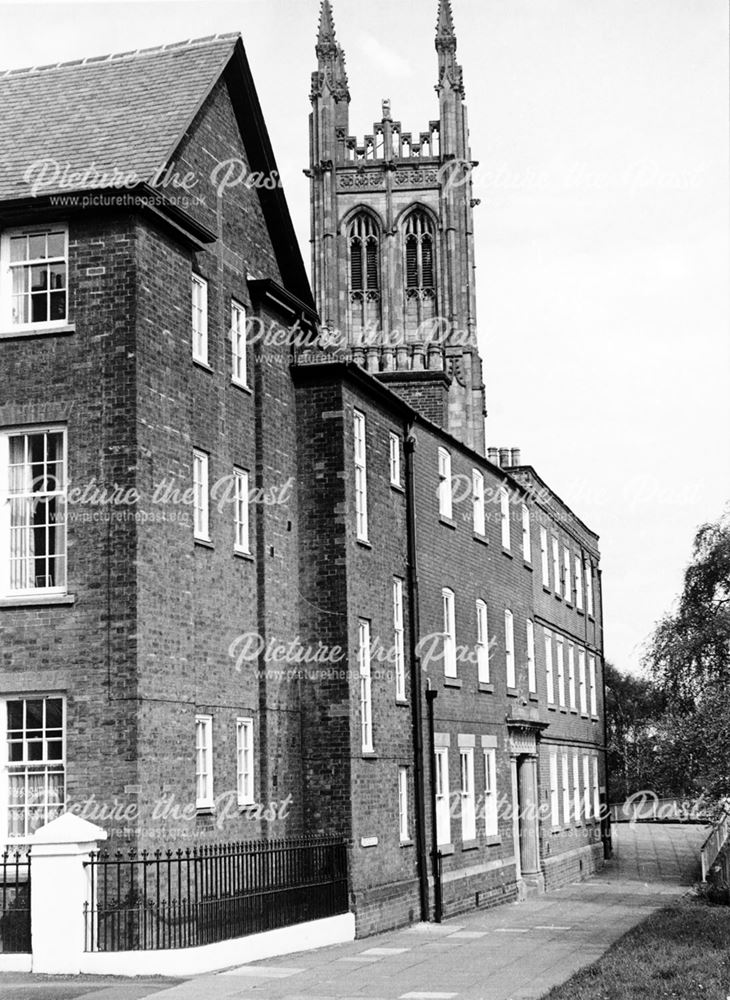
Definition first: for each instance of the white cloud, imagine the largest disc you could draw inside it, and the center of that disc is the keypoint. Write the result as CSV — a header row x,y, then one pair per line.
x,y
383,58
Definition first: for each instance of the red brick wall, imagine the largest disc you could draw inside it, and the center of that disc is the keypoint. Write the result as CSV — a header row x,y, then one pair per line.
x,y
354,580
86,381
195,600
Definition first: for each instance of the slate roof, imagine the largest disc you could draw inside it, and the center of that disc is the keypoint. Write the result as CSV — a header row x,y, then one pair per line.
x,y
126,112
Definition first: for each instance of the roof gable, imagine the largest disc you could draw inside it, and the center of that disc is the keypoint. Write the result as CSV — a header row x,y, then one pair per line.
x,y
124,117
120,115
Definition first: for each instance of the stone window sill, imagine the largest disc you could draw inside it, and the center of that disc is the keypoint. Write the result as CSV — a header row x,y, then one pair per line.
x,y
486,688
506,552
204,543
482,539
470,845
36,600
494,840
203,364
452,682
406,843
398,488
447,522
242,386
533,696
41,331
512,693
445,850
246,556
364,543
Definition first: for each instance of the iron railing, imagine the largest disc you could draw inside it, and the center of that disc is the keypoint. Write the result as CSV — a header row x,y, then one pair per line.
x,y
184,898
715,843
15,901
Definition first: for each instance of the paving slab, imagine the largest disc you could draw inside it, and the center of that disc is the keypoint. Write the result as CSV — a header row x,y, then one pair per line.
x,y
517,951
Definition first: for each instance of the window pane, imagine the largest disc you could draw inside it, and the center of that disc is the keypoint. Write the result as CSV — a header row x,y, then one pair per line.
x,y
56,245
57,276
58,305
37,246
54,713
34,714
39,308
17,248
21,280
39,278
21,308
15,715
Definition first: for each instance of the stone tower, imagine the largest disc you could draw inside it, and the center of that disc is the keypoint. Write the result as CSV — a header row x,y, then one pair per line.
x,y
392,239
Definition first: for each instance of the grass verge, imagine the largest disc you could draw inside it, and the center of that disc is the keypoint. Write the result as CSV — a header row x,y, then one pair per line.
x,y
679,953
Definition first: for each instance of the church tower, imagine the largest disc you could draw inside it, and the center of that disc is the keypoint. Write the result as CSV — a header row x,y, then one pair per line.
x,y
392,239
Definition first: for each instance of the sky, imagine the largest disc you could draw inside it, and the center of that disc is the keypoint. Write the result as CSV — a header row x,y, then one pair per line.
x,y
602,237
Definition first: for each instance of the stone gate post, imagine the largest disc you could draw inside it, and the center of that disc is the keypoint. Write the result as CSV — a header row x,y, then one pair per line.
x,y
59,888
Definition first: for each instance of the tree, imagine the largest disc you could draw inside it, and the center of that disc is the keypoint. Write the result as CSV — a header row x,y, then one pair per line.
x,y
691,755
634,706
690,649
688,657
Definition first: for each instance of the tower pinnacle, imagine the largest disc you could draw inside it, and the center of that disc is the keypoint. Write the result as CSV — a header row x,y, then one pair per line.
x,y
392,241
445,34
326,41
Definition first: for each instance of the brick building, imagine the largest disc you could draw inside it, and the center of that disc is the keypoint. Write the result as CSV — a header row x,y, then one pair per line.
x,y
252,585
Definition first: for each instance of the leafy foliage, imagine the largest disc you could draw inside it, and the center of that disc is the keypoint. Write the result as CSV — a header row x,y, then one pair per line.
x,y
690,649
688,659
634,706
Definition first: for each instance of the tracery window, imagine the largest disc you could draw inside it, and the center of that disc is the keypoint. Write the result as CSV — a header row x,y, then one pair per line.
x,y
364,259
420,272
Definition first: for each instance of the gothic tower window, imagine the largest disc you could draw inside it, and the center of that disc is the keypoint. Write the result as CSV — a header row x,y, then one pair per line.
x,y
364,250
420,276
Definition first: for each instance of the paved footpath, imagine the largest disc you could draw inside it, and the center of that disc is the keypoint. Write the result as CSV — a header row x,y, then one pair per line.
x,y
512,952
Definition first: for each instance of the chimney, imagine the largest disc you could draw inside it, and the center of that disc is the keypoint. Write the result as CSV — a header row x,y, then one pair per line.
x,y
516,457
493,455
505,457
